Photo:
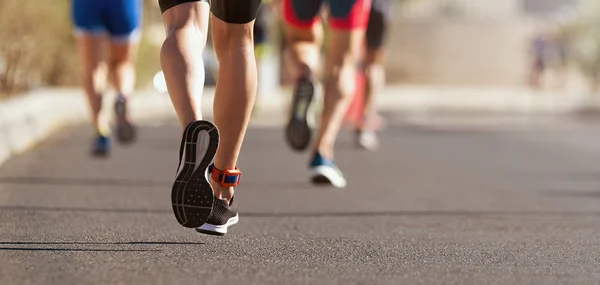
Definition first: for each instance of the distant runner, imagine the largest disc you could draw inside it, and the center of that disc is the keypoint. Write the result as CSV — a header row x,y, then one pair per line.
x,y
95,22
377,29
348,21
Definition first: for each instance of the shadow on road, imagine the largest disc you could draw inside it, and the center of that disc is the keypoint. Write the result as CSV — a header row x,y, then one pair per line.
x,y
63,181
423,213
112,182
34,246
98,243
72,249
85,210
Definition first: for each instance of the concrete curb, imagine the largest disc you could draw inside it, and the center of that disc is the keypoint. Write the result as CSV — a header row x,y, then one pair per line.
x,y
26,120
474,99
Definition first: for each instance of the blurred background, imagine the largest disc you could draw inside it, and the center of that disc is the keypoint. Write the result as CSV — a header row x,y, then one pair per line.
x,y
474,196
432,42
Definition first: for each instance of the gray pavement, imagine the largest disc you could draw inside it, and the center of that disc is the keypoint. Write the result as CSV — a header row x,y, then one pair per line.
x,y
447,200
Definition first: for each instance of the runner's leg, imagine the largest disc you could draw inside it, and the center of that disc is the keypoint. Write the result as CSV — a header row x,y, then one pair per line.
x,y
186,24
124,21
303,33
348,23
122,67
236,88
91,40
232,33
346,38
91,49
375,73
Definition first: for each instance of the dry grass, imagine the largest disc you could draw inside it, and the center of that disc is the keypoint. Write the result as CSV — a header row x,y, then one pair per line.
x,y
37,46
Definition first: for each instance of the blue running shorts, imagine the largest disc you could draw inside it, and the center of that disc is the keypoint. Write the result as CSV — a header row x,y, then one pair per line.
x,y
121,19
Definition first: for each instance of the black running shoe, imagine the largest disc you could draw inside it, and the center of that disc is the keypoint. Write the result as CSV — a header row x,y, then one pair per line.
x,y
223,216
192,195
126,132
298,132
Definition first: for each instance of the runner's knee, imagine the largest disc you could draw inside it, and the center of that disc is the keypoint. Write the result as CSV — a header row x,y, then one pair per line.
x,y
231,38
342,78
114,65
229,11
95,77
297,35
375,75
185,17
121,53
235,11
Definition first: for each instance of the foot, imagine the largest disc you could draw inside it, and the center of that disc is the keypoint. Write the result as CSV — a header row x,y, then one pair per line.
x,y
101,146
325,172
192,195
126,132
224,213
298,132
366,139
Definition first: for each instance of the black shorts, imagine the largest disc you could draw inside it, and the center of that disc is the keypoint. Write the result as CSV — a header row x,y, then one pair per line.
x,y
261,28
229,11
378,23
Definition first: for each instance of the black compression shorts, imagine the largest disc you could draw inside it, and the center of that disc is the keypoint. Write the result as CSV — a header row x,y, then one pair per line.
x,y
378,23
229,11
261,28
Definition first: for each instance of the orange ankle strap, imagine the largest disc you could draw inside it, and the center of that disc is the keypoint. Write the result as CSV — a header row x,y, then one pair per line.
x,y
227,178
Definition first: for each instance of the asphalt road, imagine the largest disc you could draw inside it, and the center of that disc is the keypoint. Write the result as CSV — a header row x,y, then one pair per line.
x,y
447,200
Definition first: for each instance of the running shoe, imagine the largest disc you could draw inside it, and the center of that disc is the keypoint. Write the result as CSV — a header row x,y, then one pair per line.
x,y
192,195
298,132
101,146
325,172
366,139
126,132
224,215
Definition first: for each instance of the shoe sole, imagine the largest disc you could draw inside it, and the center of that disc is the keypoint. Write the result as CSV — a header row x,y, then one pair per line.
x,y
192,196
217,230
321,180
298,132
126,132
325,176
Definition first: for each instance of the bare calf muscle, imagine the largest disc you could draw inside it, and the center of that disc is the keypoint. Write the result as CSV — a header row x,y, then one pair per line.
x,y
207,204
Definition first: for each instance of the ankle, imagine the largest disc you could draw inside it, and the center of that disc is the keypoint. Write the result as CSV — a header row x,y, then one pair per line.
x,y
221,192
102,131
224,181
325,152
186,118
